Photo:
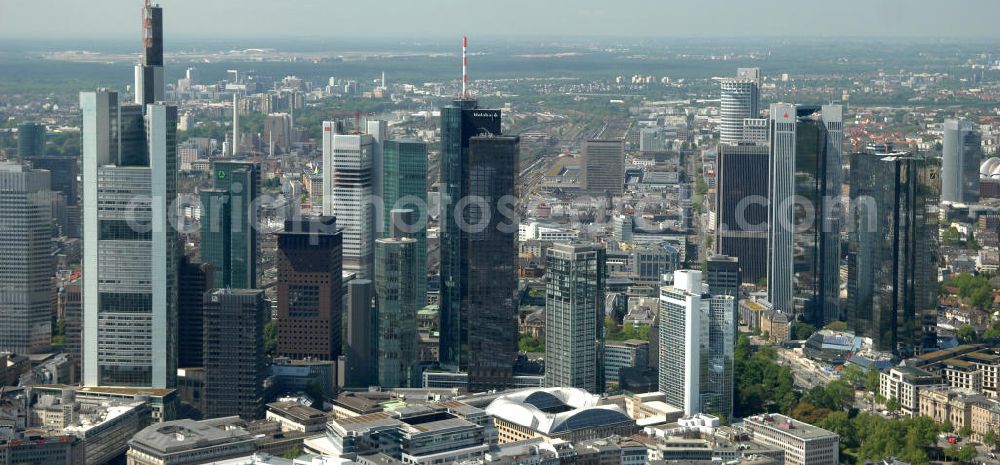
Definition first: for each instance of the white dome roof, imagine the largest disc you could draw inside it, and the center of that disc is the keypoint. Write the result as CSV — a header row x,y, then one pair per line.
x,y
989,166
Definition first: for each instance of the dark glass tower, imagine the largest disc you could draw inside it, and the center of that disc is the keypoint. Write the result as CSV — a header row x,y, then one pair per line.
x,y
723,277
235,365
31,140
228,236
460,121
489,251
741,207
893,250
194,279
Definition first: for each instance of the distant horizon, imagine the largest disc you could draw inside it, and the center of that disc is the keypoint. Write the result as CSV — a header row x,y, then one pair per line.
x,y
429,20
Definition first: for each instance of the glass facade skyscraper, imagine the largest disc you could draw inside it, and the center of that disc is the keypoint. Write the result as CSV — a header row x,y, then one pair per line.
x,y
397,302
961,152
460,121
893,250
130,254
741,207
404,185
228,235
803,218
574,316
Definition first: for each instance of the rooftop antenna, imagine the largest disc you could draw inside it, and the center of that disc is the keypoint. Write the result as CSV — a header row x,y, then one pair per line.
x,y
465,64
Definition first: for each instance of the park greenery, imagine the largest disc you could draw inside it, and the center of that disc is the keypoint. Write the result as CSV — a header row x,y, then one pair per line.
x,y
616,332
975,290
529,344
764,385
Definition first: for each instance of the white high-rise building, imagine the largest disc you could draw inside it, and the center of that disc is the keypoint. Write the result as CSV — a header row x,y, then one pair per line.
x,y
739,100
348,194
26,261
129,243
696,342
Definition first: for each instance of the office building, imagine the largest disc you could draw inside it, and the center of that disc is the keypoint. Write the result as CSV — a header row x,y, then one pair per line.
x,y
27,267
194,280
741,207
804,444
63,172
696,342
189,442
310,289
604,166
740,100
30,140
961,154
447,432
379,130
348,194
227,230
73,317
149,71
278,133
490,248
129,246
904,384
574,316
804,226
461,292
362,326
404,185
723,275
235,365
631,353
397,302
893,250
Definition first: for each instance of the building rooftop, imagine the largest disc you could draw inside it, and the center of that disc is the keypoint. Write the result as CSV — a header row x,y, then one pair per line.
x,y
796,428
555,410
180,435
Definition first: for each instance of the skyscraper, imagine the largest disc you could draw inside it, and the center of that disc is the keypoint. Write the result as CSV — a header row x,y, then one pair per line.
x,y
961,153
604,166
278,133
129,242
490,243
228,233
362,336
63,172
397,302
741,207
740,97
310,289
348,194
723,275
893,250
574,316
149,71
235,366
697,337
404,175
194,280
27,290
30,139
803,217
459,122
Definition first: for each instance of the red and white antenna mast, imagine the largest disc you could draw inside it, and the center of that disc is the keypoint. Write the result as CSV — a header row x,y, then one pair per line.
x,y
465,65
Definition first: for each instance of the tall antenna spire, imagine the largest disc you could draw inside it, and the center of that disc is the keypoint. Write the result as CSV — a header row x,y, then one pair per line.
x,y
465,64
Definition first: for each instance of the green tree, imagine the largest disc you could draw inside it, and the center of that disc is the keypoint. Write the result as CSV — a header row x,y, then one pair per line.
x,y
529,344
892,405
947,427
853,374
271,338
802,331
293,453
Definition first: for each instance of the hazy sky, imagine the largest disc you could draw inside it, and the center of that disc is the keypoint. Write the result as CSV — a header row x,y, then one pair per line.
x,y
416,19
